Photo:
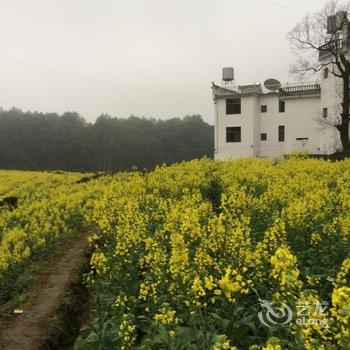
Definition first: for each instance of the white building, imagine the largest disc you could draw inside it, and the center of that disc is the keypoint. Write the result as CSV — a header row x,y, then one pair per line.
x,y
252,121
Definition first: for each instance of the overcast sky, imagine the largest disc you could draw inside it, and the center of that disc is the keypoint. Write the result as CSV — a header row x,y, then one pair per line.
x,y
177,47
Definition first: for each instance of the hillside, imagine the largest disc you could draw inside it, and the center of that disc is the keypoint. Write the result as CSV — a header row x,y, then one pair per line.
x,y
37,141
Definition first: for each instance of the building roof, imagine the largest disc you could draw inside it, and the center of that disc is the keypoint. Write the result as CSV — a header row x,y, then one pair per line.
x,y
250,89
300,90
242,90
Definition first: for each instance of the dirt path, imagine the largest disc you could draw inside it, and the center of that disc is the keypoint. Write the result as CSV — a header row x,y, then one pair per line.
x,y
26,331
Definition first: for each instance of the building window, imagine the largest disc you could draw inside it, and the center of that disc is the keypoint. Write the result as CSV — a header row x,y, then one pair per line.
x,y
325,73
233,106
233,134
281,132
263,136
263,108
325,112
281,106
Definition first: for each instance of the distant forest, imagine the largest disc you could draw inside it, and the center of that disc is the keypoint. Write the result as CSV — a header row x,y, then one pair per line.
x,y
38,141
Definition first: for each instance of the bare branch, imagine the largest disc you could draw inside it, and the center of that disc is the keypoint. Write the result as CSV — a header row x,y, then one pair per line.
x,y
307,37
315,49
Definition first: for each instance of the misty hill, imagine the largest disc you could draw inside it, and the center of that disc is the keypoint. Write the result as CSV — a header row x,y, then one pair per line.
x,y
38,141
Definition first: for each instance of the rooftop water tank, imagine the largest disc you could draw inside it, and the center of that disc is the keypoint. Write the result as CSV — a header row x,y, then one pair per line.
x,y
227,74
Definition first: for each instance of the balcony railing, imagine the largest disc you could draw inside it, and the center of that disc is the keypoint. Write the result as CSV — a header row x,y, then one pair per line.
x,y
310,89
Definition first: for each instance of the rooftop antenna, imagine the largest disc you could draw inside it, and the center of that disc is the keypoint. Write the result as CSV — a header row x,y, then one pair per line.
x,y
228,76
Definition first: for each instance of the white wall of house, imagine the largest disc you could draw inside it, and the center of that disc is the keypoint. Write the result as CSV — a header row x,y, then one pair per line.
x,y
226,150
269,123
301,122
300,119
331,88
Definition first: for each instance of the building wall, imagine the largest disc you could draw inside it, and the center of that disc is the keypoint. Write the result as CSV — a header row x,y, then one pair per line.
x,y
331,98
302,119
299,120
256,125
269,123
331,92
226,150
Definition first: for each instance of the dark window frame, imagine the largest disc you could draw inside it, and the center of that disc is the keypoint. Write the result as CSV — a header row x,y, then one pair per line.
x,y
233,106
263,108
325,112
233,134
263,136
325,73
281,106
281,133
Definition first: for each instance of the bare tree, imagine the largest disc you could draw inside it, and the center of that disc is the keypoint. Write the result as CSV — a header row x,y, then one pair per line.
x,y
321,41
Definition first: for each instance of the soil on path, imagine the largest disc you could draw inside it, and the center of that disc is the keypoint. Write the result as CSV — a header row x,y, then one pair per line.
x,y
27,331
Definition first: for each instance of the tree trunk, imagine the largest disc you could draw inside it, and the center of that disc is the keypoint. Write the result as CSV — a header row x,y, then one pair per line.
x,y
344,126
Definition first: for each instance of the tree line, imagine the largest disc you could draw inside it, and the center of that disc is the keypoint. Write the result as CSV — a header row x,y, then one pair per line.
x,y
48,141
